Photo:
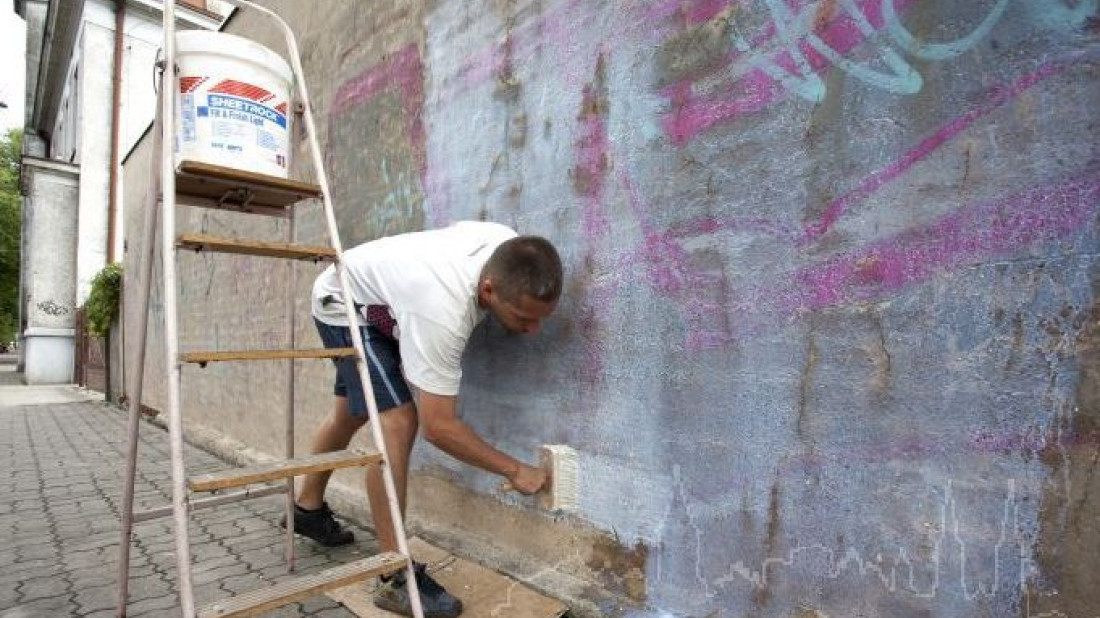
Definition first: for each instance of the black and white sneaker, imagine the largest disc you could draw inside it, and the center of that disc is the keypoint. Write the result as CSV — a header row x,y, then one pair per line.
x,y
320,526
393,595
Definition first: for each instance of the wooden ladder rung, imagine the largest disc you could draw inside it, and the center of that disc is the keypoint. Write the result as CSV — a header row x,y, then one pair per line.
x,y
265,599
243,355
206,242
259,473
232,189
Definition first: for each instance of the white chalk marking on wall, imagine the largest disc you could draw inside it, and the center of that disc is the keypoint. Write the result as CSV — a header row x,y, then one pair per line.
x,y
892,576
949,520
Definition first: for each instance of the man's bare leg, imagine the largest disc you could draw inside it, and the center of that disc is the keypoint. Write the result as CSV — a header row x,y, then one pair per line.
x,y
399,427
334,434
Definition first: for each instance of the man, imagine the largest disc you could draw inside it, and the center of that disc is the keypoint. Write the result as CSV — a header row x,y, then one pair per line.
x,y
418,297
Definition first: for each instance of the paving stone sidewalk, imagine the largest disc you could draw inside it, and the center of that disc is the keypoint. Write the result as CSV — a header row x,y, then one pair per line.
x,y
59,522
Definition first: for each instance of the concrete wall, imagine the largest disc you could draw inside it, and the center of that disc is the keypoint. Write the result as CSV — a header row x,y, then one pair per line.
x,y
830,340
34,15
84,135
96,59
47,270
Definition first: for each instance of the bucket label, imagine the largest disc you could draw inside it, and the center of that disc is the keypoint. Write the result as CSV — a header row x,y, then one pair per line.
x,y
187,110
233,123
221,106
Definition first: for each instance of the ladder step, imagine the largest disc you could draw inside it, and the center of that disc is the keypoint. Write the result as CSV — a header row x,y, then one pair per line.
x,y
242,355
227,188
205,242
265,599
239,477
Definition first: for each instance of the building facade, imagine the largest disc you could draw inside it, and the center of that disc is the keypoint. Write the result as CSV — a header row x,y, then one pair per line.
x,y
90,96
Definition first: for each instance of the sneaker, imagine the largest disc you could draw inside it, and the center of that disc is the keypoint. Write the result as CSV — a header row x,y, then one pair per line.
x,y
320,526
434,599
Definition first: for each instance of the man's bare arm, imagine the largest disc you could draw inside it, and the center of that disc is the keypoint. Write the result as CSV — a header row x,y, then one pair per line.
x,y
444,429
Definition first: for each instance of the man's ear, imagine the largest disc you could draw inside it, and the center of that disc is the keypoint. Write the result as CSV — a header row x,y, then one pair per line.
x,y
485,291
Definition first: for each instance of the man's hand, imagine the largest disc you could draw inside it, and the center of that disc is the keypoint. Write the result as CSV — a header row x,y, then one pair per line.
x,y
443,428
528,480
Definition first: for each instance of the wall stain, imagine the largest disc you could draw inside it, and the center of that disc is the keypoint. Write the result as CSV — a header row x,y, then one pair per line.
x,y
620,567
762,594
966,164
1017,341
592,159
517,130
695,50
1068,540
508,87
880,357
806,380
824,14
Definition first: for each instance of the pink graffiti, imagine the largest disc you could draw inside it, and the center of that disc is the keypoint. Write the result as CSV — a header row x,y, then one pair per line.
x,y
693,114
986,441
669,270
401,72
1031,441
964,237
519,46
994,99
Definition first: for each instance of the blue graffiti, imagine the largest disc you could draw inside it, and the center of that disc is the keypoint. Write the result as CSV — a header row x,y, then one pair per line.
x,y
901,78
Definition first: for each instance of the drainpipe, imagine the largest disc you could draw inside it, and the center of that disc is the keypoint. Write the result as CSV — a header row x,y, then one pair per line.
x,y
116,113
112,199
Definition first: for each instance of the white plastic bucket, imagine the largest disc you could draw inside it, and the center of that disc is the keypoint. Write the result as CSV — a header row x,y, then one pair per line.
x,y
233,99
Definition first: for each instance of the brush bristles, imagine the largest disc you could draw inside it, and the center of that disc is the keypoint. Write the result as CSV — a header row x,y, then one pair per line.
x,y
561,462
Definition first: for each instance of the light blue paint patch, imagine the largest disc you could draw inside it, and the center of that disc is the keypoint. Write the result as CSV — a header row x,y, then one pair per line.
x,y
1055,15
901,78
401,199
807,84
941,51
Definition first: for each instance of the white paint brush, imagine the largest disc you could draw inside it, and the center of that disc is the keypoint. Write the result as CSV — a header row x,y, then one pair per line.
x,y
560,461
560,492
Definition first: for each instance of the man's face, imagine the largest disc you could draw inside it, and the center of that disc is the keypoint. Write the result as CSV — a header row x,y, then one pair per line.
x,y
524,316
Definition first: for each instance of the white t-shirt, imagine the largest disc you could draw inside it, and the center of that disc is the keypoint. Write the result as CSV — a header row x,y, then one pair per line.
x,y
429,281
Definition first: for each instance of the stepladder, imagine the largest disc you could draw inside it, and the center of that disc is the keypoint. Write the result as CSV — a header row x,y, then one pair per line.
x,y
180,183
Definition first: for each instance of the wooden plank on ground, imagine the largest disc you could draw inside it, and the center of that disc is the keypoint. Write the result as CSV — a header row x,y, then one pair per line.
x,y
484,592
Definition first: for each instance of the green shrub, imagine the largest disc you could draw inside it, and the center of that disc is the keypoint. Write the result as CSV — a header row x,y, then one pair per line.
x,y
101,308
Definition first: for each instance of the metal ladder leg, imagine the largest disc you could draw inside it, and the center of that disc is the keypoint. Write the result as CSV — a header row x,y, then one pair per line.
x,y
145,287
169,88
290,394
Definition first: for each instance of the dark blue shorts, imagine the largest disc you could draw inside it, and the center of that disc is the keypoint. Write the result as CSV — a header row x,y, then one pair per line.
x,y
383,360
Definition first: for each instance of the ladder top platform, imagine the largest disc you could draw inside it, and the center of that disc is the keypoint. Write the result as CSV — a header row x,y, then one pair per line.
x,y
241,190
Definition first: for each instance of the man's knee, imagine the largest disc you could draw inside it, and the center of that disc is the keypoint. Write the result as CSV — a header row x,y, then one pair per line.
x,y
400,422
342,415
